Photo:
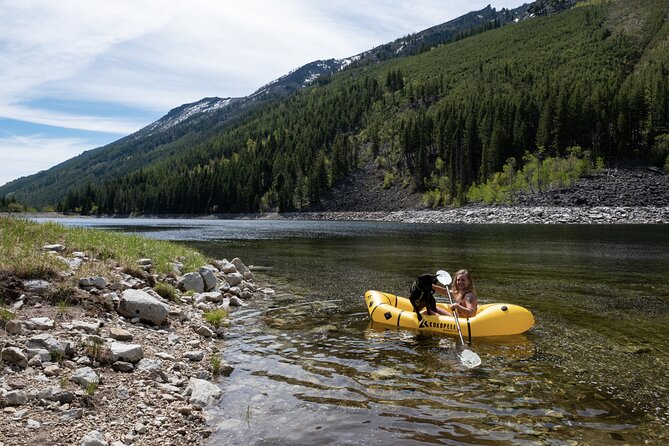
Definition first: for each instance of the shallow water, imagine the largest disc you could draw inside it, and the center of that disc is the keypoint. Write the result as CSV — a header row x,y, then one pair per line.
x,y
311,369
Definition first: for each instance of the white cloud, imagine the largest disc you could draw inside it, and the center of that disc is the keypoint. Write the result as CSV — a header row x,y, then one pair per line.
x,y
23,156
159,54
117,126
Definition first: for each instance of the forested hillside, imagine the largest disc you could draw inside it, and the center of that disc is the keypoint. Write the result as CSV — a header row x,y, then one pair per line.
x,y
190,123
593,77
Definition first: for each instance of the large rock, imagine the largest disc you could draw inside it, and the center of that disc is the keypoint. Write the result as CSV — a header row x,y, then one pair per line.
x,y
36,286
16,398
234,279
202,393
41,323
242,269
137,303
126,352
85,376
14,355
208,277
55,393
192,282
50,344
226,267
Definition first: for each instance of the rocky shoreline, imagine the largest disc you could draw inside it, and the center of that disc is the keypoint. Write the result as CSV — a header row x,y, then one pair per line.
x,y
498,215
126,365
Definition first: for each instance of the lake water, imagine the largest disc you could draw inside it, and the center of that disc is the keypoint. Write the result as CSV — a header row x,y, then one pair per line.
x,y
311,369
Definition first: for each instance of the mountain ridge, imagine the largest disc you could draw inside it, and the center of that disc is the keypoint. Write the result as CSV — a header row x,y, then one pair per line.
x,y
125,155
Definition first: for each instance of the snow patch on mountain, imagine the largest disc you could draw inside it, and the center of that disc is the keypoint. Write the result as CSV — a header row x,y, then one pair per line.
x,y
189,111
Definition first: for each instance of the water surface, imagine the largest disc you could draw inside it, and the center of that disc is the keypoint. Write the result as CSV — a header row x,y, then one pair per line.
x,y
311,369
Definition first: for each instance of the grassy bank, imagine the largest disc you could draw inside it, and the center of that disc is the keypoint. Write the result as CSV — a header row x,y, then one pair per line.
x,y
21,252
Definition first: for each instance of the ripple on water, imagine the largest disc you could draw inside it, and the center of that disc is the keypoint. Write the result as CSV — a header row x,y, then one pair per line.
x,y
358,384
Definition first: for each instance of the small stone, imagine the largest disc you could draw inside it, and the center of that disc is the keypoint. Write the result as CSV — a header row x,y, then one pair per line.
x,y
165,356
13,327
194,356
33,424
18,414
184,410
42,323
202,393
72,414
51,370
120,334
54,247
236,302
205,331
94,438
123,367
88,327
122,393
149,365
98,282
35,361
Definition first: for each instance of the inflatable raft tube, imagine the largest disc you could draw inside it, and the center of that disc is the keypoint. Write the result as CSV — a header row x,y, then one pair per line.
x,y
497,319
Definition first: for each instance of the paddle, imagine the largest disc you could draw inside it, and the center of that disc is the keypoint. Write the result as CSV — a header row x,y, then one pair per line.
x,y
468,358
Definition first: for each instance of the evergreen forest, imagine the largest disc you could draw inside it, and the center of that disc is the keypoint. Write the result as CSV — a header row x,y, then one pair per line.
x,y
589,82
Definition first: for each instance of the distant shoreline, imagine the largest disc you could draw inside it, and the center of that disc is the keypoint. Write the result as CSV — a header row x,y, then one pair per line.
x,y
463,215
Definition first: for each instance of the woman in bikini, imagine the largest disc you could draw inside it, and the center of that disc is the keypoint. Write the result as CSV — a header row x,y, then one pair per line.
x,y
463,293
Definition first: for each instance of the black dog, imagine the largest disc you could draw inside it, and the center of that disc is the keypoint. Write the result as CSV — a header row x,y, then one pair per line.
x,y
422,295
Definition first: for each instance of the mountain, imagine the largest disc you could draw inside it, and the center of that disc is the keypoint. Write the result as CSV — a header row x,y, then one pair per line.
x,y
198,120
591,78
157,141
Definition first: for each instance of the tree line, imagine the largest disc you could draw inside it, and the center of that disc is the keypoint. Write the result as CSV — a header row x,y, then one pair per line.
x,y
445,120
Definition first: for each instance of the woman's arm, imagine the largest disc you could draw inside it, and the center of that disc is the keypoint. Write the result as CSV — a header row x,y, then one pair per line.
x,y
469,307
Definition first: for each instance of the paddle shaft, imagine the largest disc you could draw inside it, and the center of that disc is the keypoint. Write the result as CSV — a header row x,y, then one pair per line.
x,y
455,315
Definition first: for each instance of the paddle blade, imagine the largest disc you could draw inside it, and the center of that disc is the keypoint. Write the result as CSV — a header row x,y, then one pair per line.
x,y
443,277
470,359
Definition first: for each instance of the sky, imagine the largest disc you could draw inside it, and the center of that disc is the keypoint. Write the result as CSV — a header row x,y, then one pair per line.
x,y
79,74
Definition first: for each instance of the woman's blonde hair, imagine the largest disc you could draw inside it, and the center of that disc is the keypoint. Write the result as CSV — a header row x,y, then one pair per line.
x,y
470,288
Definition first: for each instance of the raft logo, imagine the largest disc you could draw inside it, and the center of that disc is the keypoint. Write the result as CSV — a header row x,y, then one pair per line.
x,y
439,325
388,315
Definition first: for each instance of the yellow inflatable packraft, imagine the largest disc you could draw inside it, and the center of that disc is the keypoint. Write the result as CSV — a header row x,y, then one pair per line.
x,y
497,319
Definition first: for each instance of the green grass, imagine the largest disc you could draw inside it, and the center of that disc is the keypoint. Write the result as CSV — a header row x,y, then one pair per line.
x,y
21,251
90,389
215,317
215,361
64,382
6,316
166,291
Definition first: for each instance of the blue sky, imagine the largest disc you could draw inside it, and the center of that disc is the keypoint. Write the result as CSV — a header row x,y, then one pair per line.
x,y
79,74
